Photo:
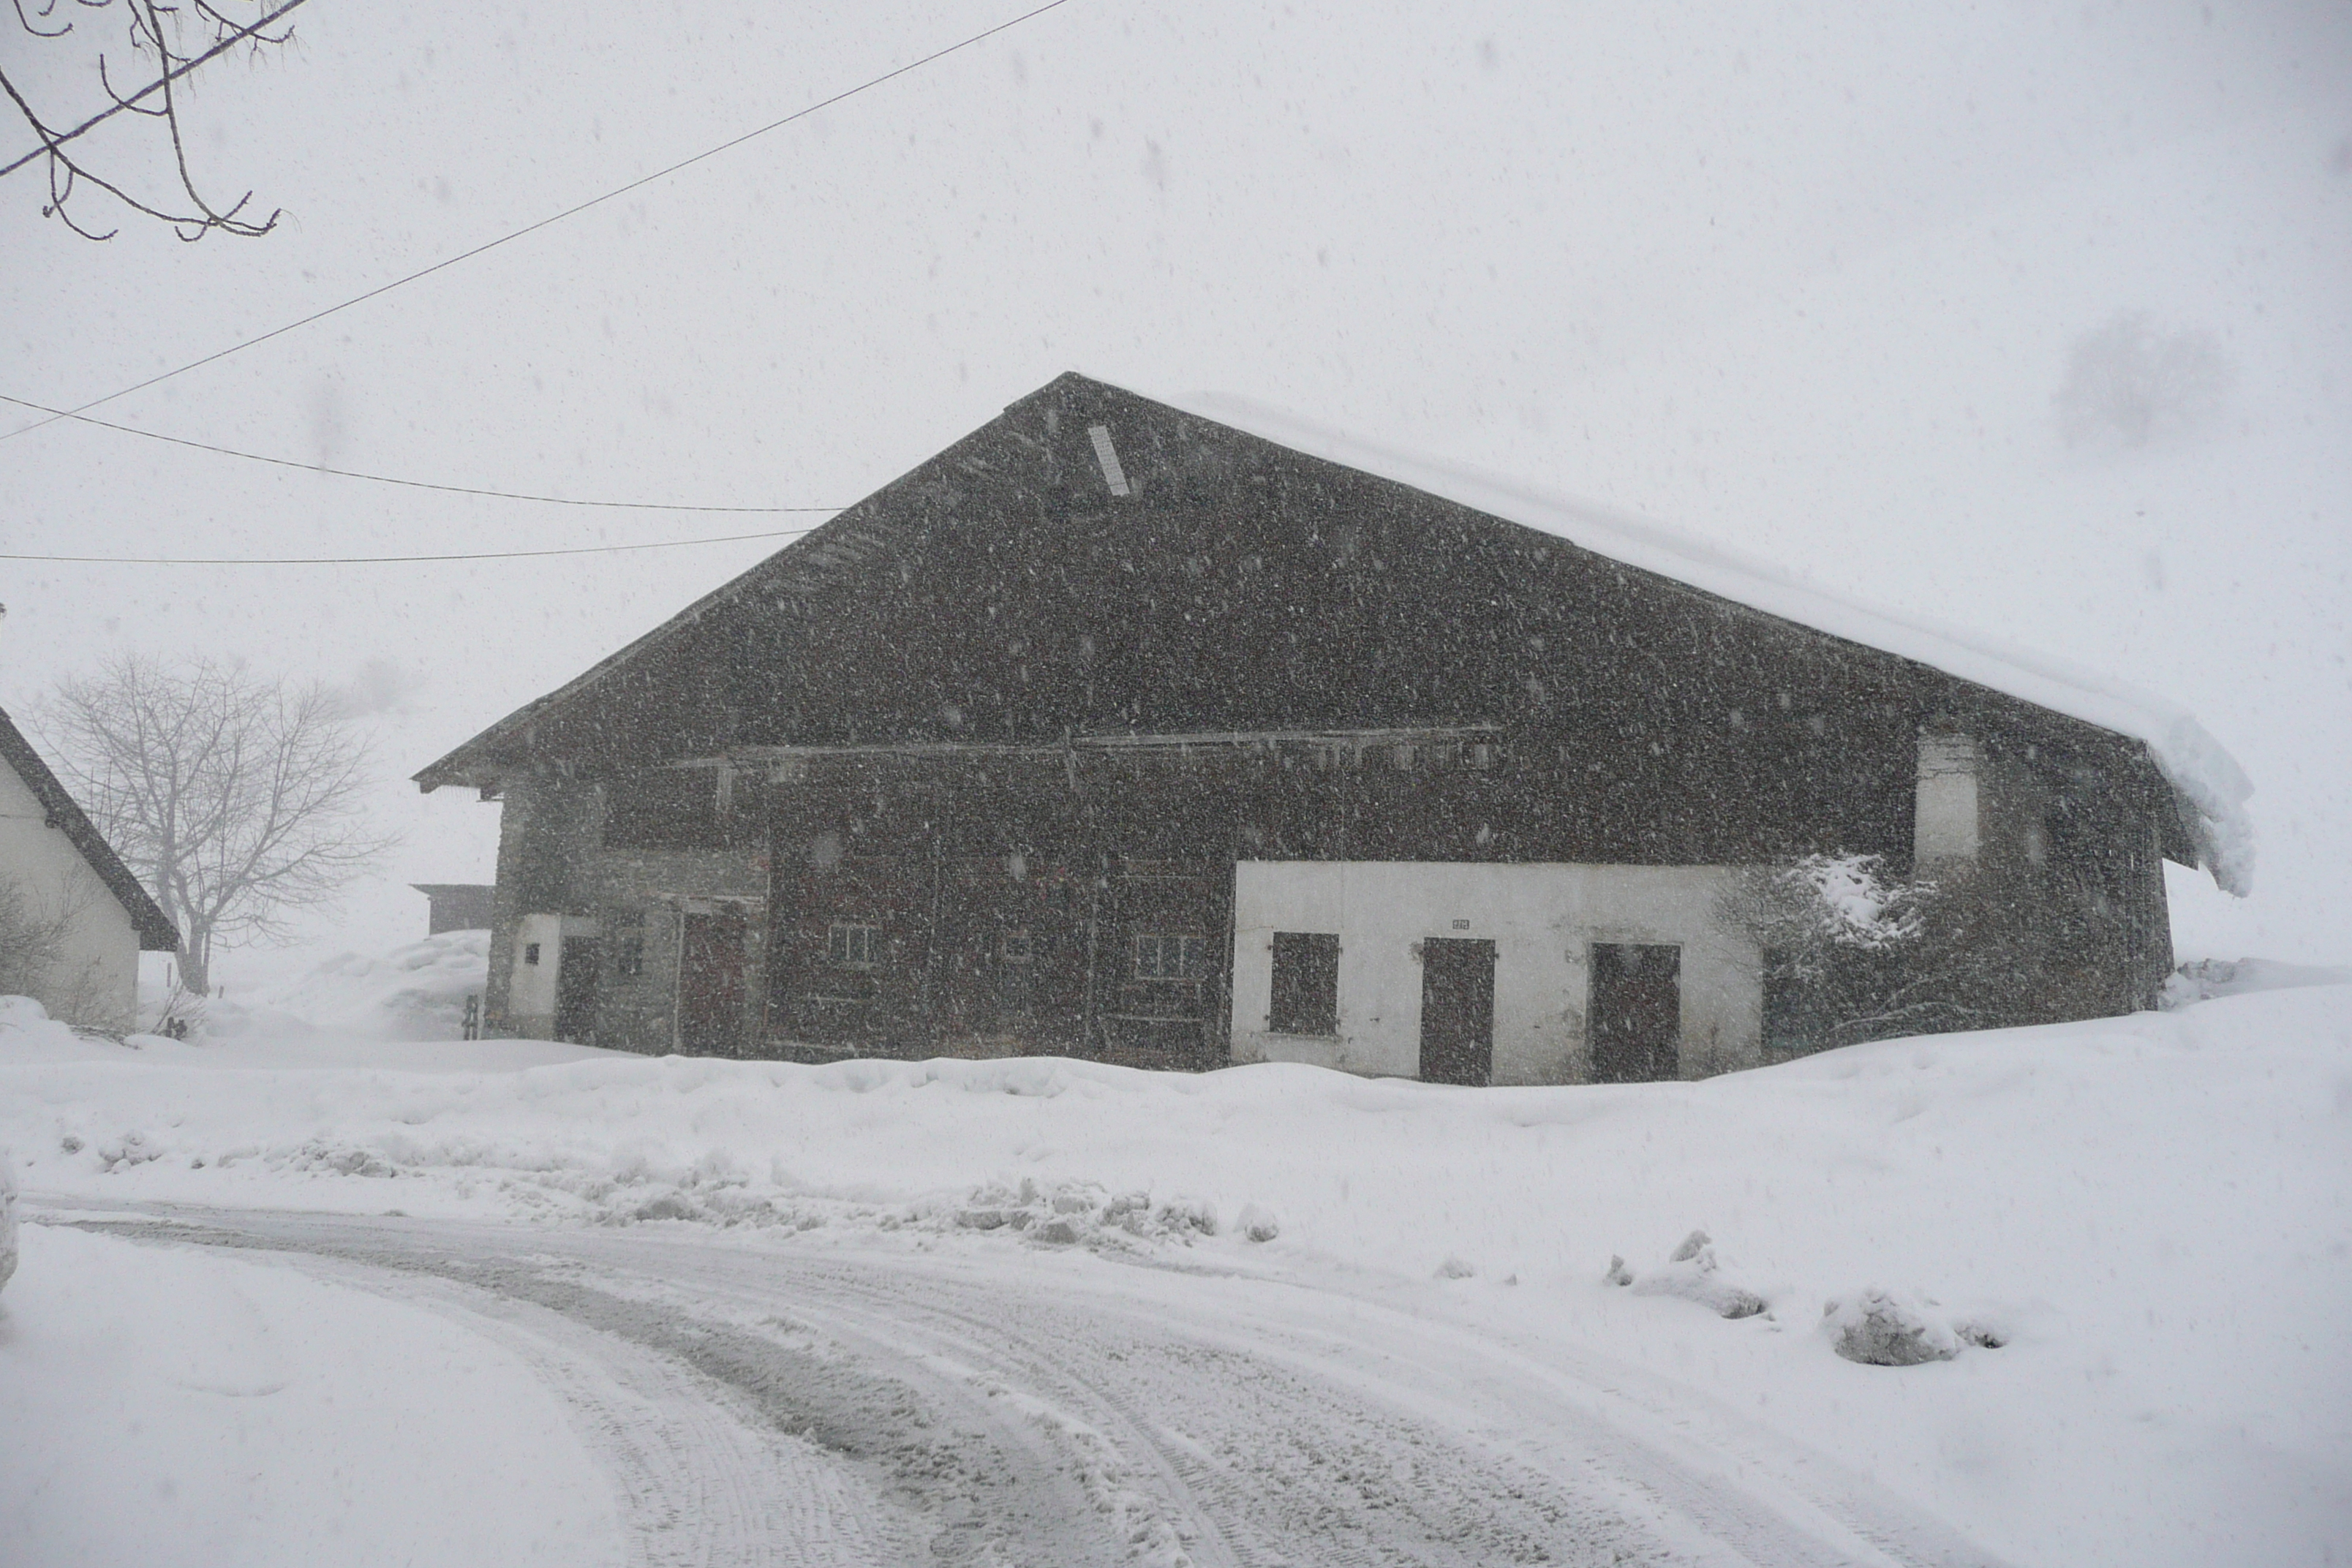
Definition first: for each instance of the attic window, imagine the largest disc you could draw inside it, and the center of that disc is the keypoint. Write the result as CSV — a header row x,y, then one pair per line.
x,y
1166,955
1107,456
851,946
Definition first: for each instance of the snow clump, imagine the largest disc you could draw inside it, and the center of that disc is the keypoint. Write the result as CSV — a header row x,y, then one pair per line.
x,y
1067,1214
1693,1273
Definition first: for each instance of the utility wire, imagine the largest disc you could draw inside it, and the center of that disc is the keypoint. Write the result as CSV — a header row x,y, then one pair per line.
x,y
390,479
395,559
642,180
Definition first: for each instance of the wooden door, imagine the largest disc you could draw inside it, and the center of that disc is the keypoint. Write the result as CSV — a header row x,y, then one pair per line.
x,y
1634,1022
575,990
1457,1011
710,992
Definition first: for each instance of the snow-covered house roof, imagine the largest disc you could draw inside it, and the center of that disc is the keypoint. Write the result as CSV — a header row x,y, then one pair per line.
x,y
2211,788
675,678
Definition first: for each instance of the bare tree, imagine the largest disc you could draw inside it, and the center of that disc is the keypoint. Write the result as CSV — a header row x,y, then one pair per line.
x,y
236,799
167,41
37,931
2129,382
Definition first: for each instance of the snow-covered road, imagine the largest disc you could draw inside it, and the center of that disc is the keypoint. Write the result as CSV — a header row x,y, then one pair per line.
x,y
886,1405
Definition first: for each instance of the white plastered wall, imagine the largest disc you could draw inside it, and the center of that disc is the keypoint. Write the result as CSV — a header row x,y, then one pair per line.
x,y
1542,919
95,979
531,995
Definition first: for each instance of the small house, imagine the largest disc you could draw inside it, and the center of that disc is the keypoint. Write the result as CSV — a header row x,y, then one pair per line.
x,y
73,918
455,906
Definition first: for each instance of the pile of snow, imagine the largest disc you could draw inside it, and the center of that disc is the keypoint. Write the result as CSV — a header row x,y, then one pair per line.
x,y
28,1034
416,993
2122,1230
2203,979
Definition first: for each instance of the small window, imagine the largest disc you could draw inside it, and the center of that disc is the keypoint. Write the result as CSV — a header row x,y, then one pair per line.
x,y
1161,955
628,927
1015,947
530,953
1481,754
851,946
1306,984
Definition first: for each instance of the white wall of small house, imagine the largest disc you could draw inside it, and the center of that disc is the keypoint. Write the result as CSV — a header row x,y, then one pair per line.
x,y
1542,920
95,979
530,997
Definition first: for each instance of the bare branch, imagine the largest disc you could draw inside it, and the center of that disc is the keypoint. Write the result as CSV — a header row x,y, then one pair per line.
x,y
37,32
199,216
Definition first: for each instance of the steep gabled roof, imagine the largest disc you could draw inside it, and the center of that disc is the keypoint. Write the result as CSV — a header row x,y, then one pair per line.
x,y
2211,789
859,623
156,932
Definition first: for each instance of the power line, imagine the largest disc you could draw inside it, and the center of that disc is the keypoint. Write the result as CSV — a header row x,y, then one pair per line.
x,y
569,212
390,479
396,560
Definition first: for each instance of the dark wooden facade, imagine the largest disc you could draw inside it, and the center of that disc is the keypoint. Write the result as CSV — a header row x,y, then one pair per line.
x,y
1009,721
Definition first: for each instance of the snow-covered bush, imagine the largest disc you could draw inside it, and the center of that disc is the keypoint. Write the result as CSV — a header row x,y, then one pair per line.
x,y
2127,384
1884,1328
1852,953
1818,903
1837,932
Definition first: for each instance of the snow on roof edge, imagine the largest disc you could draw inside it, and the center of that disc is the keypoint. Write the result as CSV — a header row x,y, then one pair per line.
x,y
2212,788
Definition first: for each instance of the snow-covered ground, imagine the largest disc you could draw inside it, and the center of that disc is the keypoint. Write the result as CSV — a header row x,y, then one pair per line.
x,y
2130,1236
172,1407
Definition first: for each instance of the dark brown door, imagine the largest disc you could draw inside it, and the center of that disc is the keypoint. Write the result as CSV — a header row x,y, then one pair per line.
x,y
1457,1011
710,987
1635,1021
575,991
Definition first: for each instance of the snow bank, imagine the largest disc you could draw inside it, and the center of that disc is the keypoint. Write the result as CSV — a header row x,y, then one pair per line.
x,y
416,993
7,1218
2204,979
167,1407
2207,780
2128,1227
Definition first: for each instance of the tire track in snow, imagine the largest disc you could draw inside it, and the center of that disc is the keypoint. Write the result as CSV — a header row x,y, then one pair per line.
x,y
1050,1409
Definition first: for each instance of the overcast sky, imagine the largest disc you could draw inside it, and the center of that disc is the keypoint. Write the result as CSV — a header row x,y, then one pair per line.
x,y
1801,283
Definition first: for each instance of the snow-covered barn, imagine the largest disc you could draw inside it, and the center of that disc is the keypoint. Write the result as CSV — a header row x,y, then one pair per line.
x,y
1184,736
73,918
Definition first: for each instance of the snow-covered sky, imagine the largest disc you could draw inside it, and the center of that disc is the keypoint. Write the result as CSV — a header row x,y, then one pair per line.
x,y
1801,282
